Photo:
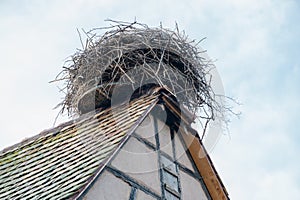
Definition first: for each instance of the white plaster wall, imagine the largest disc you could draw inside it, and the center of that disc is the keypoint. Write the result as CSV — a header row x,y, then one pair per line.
x,y
191,188
181,155
108,187
139,162
143,196
146,130
165,138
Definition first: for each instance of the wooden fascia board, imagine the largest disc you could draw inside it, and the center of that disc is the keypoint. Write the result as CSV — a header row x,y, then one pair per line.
x,y
204,166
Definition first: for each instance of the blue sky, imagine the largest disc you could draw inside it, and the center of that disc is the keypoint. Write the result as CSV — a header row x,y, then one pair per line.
x,y
256,45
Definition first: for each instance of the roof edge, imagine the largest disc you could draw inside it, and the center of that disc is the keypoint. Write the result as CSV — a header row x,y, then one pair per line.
x,y
54,130
44,133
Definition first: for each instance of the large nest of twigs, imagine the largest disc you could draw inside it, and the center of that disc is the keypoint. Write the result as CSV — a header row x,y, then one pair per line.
x,y
131,56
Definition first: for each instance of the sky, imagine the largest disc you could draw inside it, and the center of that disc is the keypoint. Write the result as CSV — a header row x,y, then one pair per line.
x,y
255,45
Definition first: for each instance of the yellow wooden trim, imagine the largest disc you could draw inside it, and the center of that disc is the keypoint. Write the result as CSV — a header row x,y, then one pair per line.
x,y
204,166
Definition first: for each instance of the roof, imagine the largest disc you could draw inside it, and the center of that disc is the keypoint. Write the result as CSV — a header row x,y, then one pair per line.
x,y
58,162
61,162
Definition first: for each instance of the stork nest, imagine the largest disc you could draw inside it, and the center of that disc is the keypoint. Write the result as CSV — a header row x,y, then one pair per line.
x,y
130,55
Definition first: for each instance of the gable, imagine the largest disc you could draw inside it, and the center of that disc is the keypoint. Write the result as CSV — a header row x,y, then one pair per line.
x,y
153,166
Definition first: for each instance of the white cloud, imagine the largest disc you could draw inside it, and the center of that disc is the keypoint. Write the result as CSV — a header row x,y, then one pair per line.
x,y
279,184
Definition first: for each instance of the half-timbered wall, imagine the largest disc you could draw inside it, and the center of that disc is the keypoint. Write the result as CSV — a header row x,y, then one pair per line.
x,y
153,164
